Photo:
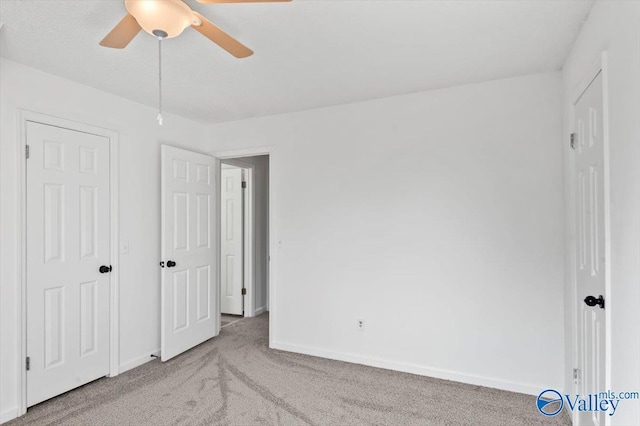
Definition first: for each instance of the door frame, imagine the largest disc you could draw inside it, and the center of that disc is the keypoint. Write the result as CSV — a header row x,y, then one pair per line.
x,y
248,232
237,154
23,117
599,66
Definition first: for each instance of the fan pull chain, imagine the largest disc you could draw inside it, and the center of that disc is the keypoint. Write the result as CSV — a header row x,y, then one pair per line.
x,y
159,81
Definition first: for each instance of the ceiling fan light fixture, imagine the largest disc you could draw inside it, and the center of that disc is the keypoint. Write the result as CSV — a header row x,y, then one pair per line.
x,y
170,17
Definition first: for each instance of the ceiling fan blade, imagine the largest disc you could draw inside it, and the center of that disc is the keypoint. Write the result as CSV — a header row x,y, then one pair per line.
x,y
243,1
123,33
221,38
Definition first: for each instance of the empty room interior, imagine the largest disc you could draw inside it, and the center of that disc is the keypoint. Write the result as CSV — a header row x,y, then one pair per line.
x,y
317,212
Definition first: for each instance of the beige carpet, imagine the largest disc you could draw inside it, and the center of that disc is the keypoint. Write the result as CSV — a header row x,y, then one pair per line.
x,y
235,379
226,319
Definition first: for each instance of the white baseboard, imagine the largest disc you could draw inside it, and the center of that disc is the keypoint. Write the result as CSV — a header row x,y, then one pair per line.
x,y
260,311
8,415
137,362
11,414
420,370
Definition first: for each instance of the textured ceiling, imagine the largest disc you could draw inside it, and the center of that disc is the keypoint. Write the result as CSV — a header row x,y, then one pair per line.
x,y
308,54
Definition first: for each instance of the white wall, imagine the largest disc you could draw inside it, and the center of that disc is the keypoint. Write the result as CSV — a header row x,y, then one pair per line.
x,y
613,26
140,138
436,217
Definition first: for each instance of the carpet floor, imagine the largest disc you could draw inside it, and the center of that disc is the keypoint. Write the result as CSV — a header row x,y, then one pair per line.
x,y
226,319
235,379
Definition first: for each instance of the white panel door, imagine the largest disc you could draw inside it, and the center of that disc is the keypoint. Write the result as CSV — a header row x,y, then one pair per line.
x,y
67,242
591,233
189,297
231,261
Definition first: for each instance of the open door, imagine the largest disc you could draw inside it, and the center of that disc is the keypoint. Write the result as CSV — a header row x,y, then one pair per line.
x,y
592,230
189,296
231,243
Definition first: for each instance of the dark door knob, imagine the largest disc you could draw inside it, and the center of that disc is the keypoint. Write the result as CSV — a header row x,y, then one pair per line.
x,y
171,264
592,301
104,269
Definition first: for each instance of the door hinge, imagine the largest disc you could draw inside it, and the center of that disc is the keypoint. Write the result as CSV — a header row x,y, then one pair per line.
x,y
572,141
28,363
244,185
576,373
26,152
244,291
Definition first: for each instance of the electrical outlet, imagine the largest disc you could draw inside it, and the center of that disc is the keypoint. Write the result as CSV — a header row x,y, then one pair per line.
x,y
360,324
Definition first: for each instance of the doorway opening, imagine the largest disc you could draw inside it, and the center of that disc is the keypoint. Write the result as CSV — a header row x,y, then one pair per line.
x,y
244,237
192,239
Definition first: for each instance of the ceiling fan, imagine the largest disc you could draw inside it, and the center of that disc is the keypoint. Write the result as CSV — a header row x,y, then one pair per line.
x,y
168,18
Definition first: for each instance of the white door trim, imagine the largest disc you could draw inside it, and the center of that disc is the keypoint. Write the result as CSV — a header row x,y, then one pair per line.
x,y
24,116
249,232
600,65
237,154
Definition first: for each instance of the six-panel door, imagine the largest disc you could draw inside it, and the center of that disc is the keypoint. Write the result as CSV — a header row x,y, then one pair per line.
x,y
67,242
591,262
231,243
188,294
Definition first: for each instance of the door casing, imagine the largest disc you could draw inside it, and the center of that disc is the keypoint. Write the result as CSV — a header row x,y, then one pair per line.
x,y
234,157
598,66
24,116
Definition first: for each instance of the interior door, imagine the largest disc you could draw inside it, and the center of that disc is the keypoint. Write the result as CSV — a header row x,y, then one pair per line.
x,y
231,250
67,243
591,233
189,299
